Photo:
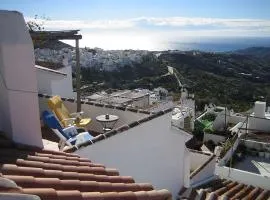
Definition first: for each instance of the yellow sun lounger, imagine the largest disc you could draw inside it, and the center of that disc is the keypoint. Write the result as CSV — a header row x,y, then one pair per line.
x,y
66,118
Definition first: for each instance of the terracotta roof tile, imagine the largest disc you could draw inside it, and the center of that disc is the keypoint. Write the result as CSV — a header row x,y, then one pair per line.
x,y
92,196
43,193
263,195
127,195
62,176
252,195
225,189
10,190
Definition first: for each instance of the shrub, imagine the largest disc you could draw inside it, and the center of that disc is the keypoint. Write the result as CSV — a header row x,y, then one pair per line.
x,y
209,117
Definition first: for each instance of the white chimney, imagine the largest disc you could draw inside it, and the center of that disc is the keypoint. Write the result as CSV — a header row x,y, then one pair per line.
x,y
18,83
259,109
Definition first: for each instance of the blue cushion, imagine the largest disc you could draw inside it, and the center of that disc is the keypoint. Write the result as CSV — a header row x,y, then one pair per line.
x,y
50,120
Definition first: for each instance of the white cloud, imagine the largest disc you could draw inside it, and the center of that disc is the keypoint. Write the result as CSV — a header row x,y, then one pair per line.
x,y
84,24
218,22
148,32
180,22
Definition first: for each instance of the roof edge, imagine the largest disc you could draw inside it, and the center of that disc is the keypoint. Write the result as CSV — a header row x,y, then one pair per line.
x,y
100,105
200,168
50,70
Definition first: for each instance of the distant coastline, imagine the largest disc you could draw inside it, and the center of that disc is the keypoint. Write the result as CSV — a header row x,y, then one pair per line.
x,y
218,45
206,44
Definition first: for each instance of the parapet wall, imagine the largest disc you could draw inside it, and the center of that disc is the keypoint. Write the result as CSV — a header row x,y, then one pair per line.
x,y
92,110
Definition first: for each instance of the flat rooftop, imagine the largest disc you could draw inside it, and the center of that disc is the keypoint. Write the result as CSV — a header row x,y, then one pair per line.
x,y
129,94
267,115
259,137
254,164
115,100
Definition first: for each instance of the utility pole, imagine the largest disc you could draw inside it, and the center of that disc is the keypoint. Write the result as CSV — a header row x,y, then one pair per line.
x,y
225,126
78,76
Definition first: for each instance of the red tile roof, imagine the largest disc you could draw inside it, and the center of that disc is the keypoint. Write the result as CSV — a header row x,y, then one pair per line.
x,y
58,175
224,189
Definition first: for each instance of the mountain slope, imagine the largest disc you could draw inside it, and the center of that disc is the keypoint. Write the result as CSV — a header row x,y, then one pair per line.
x,y
261,52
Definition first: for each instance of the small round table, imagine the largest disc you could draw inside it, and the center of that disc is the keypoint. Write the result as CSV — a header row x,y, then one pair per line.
x,y
107,121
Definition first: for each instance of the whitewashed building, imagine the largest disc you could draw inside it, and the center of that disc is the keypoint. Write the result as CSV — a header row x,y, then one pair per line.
x,y
259,119
19,113
55,79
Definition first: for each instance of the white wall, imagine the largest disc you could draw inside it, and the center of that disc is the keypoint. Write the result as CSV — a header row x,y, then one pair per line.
x,y
197,159
141,102
5,123
45,79
56,84
63,87
243,177
259,109
259,124
125,117
1,120
19,101
152,152
229,153
187,164
207,172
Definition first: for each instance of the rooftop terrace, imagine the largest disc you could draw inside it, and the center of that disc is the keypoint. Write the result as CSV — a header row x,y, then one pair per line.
x,y
254,164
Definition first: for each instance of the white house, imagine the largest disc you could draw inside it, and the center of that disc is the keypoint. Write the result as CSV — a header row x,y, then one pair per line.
x,y
183,117
259,119
55,80
153,98
161,92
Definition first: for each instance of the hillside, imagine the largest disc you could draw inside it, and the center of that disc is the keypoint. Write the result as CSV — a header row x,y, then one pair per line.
x,y
56,45
254,51
259,52
235,78
222,78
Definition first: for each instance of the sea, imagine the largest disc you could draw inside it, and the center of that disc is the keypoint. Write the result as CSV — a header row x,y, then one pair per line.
x,y
216,45
208,44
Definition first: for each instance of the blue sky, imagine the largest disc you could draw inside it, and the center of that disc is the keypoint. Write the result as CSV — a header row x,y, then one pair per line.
x,y
103,9
105,22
